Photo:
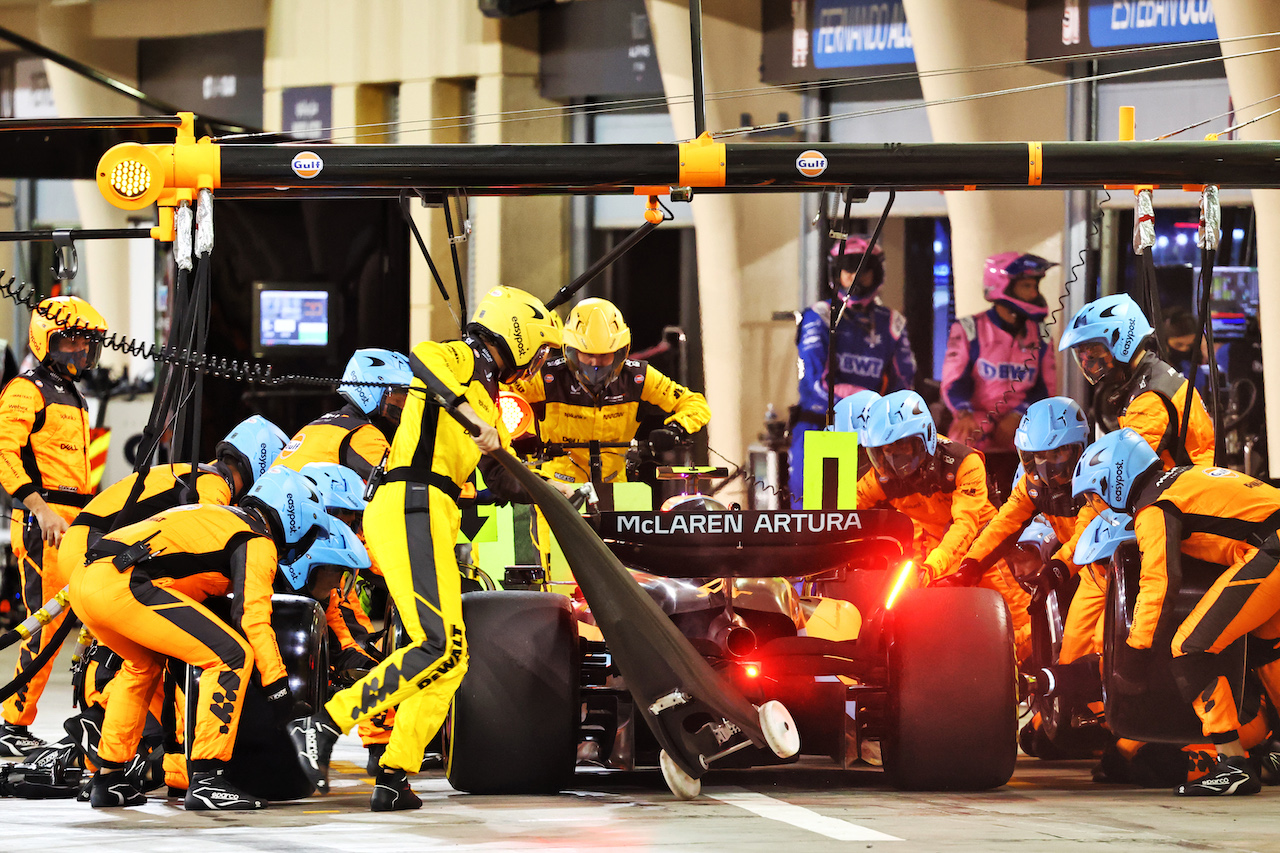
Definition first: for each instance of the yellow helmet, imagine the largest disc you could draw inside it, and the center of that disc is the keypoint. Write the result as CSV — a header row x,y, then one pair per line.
x,y
522,329
595,327
66,318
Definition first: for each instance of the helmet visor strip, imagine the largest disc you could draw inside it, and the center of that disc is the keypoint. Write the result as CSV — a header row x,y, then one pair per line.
x,y
1094,359
900,458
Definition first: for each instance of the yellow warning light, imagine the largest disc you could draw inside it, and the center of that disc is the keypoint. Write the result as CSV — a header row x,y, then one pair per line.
x,y
130,176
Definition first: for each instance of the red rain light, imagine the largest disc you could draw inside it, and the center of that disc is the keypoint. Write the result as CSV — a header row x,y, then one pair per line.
x,y
517,414
751,670
905,572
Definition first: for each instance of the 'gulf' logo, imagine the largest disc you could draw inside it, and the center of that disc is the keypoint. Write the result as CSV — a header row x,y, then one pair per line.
x,y
811,163
308,164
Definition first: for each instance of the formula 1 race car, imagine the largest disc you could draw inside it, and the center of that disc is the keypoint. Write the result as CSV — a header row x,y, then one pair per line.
x,y
811,611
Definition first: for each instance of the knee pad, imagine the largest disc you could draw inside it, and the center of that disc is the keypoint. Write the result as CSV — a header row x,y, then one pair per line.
x,y
1194,673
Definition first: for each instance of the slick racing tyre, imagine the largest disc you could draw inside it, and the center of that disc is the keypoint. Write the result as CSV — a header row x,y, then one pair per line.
x,y
514,724
1155,711
265,763
952,703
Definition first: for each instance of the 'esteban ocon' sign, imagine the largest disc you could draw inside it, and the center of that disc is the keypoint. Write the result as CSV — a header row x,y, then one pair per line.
x,y
667,523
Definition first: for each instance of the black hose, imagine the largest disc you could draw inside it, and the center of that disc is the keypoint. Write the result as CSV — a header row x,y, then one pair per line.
x,y
41,660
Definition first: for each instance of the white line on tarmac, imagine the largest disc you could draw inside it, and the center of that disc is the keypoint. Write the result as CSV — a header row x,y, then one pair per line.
x,y
799,816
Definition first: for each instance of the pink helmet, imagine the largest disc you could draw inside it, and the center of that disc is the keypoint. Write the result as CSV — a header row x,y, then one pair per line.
x,y
1001,270
854,248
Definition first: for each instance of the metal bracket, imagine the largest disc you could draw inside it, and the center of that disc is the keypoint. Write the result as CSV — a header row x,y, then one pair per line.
x,y
65,261
673,699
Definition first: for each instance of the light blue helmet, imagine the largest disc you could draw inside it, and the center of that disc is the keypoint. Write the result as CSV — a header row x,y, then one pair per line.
x,y
254,444
851,412
1102,536
1038,532
1116,322
340,487
1109,466
341,550
1051,423
293,505
892,419
381,366
1049,440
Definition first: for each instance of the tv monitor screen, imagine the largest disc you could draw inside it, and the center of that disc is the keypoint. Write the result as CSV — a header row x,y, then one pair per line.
x,y
293,318
1233,298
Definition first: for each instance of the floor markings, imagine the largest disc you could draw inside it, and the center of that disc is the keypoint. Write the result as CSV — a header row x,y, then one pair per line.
x,y
800,817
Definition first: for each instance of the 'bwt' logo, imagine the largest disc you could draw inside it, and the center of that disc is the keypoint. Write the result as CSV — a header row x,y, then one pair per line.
x,y
811,163
307,164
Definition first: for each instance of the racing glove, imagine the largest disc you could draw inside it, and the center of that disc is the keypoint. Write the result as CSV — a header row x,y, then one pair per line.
x,y
1052,577
279,701
1131,669
969,573
352,658
667,438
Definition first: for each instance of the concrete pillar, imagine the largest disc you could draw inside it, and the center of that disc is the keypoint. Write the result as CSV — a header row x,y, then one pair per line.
x,y
1253,78
747,244
104,264
962,34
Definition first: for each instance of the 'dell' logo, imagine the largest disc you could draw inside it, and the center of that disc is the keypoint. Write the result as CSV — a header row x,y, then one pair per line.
x,y
811,163
307,164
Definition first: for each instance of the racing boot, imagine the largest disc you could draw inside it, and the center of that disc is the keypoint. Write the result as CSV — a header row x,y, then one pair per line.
x,y
313,737
1266,761
110,789
211,791
391,792
17,741
1231,776
375,756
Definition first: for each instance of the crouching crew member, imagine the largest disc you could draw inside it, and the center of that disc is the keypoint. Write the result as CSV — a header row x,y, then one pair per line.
x,y
1049,440
942,486
412,524
1221,517
142,594
44,466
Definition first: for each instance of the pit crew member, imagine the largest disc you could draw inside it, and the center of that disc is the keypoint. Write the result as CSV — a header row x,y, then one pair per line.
x,y
1219,516
872,348
1111,341
44,467
412,524
142,593
1001,361
942,486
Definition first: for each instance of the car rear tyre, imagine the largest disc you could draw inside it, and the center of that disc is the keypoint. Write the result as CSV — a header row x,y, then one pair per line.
x,y
952,701
515,719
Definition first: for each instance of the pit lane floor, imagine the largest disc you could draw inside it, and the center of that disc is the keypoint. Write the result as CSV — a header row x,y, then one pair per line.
x,y
1048,806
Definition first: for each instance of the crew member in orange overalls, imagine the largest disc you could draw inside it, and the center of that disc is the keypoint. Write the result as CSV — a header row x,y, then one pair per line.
x,y
142,595
942,486
1218,516
44,466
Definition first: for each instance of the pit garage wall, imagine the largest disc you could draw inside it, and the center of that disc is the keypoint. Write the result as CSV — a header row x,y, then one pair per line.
x,y
438,53
748,247
1253,78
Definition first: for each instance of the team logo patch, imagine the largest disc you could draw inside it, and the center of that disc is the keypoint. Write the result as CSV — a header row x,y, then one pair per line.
x,y
1219,472
639,379
547,377
811,163
307,164
292,446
